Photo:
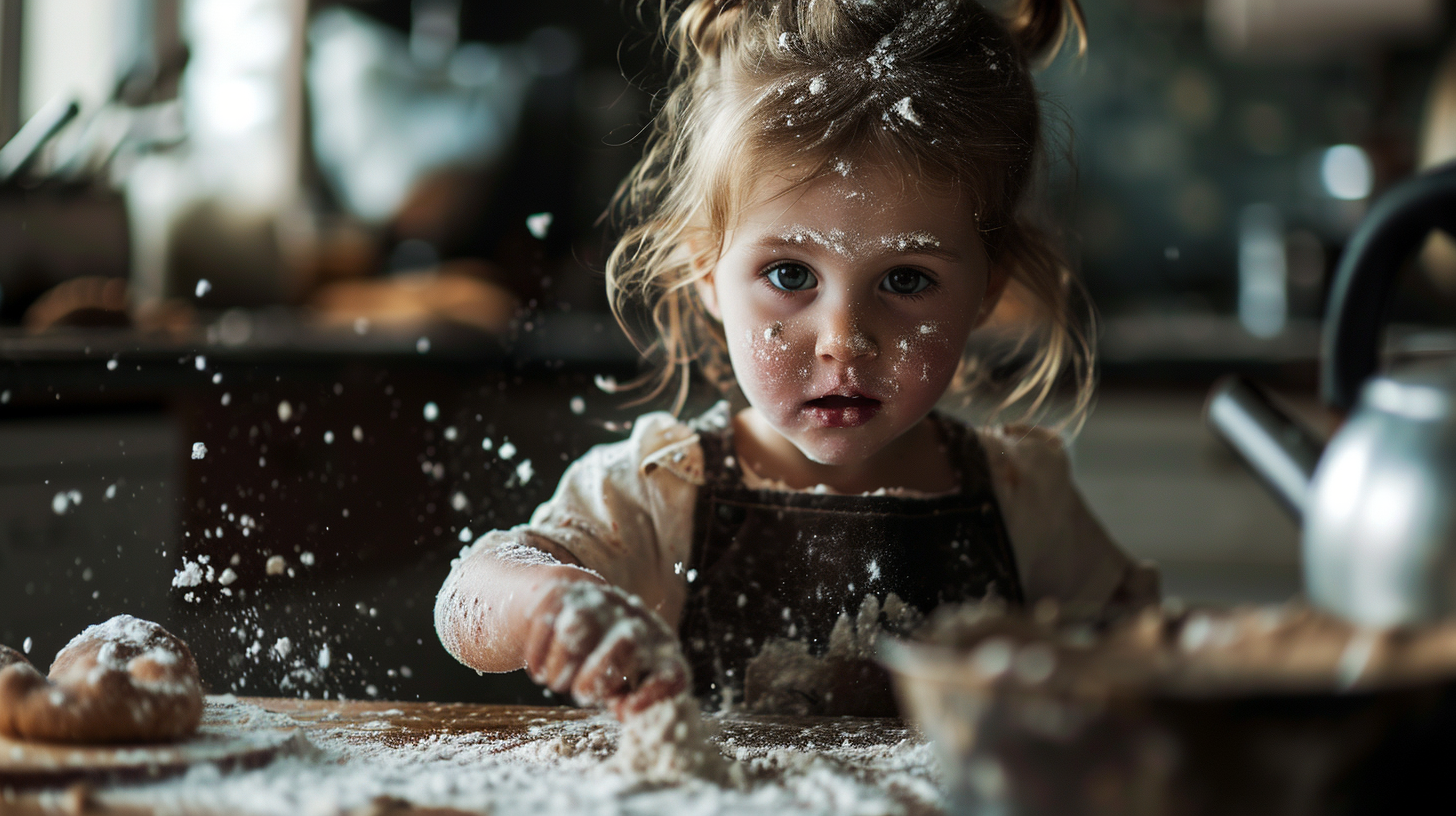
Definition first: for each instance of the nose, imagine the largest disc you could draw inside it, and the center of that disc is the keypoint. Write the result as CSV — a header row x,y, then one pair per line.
x,y
845,335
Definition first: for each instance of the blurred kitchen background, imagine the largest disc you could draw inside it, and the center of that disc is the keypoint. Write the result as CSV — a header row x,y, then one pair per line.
x,y
352,250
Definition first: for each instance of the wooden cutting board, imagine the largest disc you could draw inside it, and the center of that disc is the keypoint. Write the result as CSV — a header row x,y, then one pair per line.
x,y
221,740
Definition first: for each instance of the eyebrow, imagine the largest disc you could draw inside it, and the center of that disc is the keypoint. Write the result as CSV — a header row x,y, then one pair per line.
x,y
911,242
918,242
799,237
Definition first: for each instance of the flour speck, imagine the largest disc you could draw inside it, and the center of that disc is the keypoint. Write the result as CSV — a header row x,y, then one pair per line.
x,y
903,107
539,224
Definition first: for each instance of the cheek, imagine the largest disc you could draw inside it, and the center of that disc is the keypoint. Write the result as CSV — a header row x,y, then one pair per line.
x,y
770,353
927,352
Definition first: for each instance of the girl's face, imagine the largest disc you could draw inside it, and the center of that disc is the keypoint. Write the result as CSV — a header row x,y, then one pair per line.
x,y
846,304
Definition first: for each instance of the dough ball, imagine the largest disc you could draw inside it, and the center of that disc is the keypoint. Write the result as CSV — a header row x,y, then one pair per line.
x,y
125,680
9,656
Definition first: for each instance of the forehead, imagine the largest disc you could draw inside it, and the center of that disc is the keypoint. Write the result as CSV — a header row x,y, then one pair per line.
x,y
868,200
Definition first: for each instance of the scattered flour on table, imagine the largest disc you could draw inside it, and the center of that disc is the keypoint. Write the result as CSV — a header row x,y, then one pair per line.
x,y
549,767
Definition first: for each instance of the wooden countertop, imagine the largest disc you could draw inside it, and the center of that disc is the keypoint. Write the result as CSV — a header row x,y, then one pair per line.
x,y
412,722
373,726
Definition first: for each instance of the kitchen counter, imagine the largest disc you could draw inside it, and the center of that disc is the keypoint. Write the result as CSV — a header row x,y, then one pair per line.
x,y
375,757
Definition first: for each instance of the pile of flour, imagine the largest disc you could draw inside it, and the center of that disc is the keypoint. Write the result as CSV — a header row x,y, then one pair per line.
x,y
669,742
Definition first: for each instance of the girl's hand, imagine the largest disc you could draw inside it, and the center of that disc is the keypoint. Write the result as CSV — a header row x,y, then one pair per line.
x,y
603,646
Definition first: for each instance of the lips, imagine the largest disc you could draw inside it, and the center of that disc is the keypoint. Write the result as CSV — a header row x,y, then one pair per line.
x,y
843,401
842,410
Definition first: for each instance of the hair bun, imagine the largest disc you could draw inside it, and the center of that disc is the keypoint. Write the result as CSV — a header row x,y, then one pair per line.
x,y
1039,27
703,24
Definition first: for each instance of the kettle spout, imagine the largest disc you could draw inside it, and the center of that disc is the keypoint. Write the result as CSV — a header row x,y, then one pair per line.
x,y
1279,450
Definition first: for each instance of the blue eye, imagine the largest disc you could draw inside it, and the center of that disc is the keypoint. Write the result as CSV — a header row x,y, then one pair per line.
x,y
791,277
906,281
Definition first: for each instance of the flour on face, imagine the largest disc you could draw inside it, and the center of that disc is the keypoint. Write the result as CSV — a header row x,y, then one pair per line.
x,y
847,245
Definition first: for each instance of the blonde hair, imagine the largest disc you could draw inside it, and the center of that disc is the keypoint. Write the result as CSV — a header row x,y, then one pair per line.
x,y
940,88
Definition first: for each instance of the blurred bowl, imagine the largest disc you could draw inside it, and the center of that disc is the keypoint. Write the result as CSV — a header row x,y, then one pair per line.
x,y
1025,724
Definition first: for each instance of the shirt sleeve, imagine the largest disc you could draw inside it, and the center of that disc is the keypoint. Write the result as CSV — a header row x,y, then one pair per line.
x,y
1062,551
625,511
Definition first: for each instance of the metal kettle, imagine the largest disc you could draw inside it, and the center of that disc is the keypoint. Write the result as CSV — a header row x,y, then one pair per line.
x,y
1378,501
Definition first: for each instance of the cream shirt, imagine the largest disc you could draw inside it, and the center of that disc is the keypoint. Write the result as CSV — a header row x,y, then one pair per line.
x,y
625,511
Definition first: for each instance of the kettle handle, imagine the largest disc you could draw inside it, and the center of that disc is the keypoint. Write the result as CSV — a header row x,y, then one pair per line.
x,y
1366,275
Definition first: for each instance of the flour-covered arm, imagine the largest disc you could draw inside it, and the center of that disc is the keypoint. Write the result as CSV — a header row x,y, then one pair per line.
x,y
483,612
581,594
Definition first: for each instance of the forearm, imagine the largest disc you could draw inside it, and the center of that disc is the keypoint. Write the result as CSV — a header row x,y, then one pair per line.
x,y
482,611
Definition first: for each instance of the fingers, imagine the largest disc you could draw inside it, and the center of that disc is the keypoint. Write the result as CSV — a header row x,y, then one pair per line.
x,y
664,684
541,634
563,634
602,646
575,636
610,671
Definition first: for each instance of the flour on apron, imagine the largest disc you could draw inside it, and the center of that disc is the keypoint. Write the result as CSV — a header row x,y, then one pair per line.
x,y
791,589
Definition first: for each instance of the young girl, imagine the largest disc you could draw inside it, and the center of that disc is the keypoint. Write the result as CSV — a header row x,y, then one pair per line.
x,y
831,201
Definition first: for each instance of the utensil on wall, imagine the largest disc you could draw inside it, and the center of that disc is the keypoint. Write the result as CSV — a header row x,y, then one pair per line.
x,y
21,151
388,111
1379,537
42,213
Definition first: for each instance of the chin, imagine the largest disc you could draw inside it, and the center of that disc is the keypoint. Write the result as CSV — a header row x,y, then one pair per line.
x,y
835,452
823,459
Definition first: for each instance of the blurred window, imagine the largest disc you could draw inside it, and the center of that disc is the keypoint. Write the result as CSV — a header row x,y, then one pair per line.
x,y
70,48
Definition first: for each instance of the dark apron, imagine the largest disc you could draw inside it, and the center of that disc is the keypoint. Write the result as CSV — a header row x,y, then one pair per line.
x,y
758,553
